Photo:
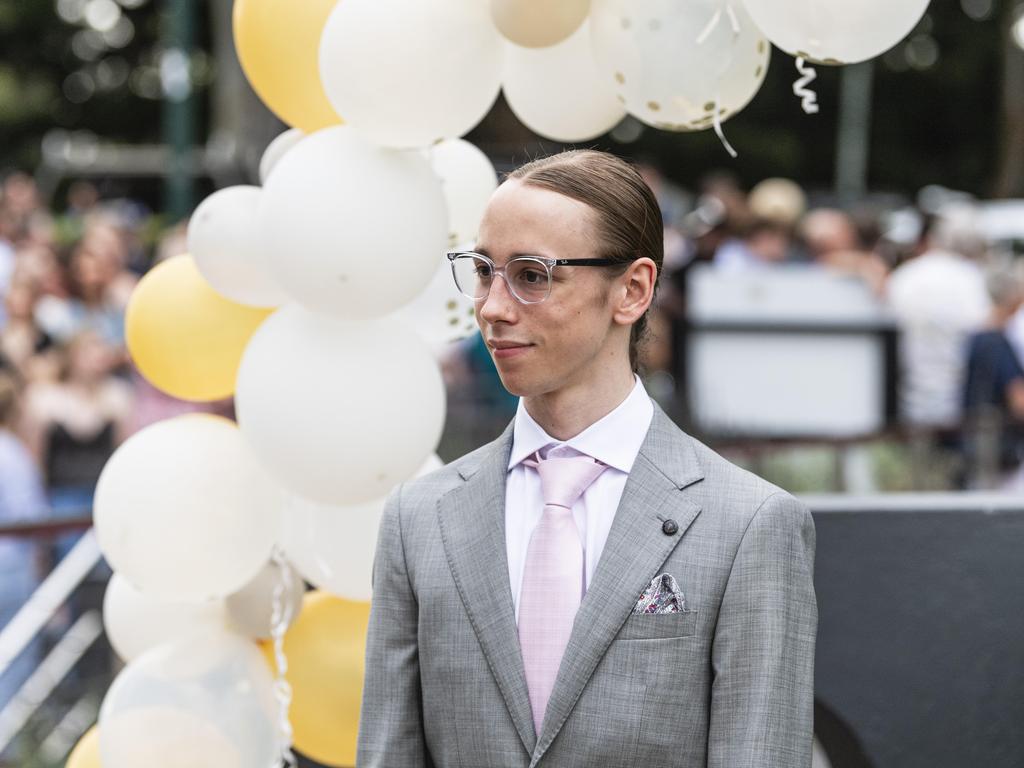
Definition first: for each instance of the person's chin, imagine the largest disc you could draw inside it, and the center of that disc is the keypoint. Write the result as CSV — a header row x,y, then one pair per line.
x,y
513,383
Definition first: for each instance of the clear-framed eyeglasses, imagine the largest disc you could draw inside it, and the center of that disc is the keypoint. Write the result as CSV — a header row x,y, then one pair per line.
x,y
528,277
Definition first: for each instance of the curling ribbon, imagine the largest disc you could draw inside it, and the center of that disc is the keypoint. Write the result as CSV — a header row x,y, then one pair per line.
x,y
808,98
280,618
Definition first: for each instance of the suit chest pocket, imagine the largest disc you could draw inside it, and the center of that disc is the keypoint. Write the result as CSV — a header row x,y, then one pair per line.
x,y
655,626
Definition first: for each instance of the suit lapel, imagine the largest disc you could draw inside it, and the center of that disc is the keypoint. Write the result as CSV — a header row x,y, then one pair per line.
x,y
472,522
636,549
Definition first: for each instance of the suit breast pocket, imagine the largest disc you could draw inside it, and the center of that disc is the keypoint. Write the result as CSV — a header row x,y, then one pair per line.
x,y
655,626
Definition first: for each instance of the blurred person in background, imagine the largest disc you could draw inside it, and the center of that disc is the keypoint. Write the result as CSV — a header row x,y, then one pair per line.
x,y
779,200
108,238
993,391
21,500
41,265
764,243
725,186
82,200
90,304
20,197
73,425
25,348
7,256
831,240
938,299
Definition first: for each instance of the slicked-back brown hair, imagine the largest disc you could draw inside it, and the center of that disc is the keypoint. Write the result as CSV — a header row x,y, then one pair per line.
x,y
628,216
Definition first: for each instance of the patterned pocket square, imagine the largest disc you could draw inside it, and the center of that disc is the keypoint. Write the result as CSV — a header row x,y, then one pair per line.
x,y
662,595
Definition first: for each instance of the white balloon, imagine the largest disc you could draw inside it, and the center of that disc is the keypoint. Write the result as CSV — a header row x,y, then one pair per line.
x,y
649,52
136,622
205,701
275,151
408,73
333,546
559,92
352,229
223,238
468,179
440,314
184,511
538,23
836,31
250,610
340,411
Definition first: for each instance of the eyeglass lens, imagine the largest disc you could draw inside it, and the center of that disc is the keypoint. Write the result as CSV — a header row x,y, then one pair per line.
x,y
527,278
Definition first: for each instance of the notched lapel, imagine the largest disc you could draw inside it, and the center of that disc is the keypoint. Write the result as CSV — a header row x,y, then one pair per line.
x,y
636,549
472,522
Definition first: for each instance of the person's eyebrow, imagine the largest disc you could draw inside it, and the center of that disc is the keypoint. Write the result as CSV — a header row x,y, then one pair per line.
x,y
483,252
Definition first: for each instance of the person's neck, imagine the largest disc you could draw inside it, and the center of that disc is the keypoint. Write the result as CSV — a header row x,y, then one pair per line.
x,y
565,413
999,318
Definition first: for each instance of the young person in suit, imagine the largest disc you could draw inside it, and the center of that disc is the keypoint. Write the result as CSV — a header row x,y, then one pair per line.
x,y
595,587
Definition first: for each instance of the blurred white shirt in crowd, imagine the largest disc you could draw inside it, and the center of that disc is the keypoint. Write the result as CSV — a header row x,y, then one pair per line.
x,y
938,298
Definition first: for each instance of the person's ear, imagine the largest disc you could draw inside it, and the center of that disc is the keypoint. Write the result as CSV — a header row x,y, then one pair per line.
x,y
636,291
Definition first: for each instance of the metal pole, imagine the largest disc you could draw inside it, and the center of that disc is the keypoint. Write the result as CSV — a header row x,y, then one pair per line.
x,y
179,127
854,133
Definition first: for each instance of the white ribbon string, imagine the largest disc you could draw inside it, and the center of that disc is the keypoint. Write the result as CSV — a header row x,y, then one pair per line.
x,y
280,618
734,23
720,133
709,27
808,98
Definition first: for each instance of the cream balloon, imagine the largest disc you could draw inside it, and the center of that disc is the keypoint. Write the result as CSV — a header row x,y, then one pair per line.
x,y
339,411
440,314
184,511
835,31
538,23
250,609
333,546
649,52
205,701
468,179
408,73
223,239
136,622
558,92
275,151
352,229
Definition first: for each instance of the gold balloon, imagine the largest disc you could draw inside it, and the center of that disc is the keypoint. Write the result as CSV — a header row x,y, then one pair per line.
x,y
86,753
325,649
184,337
278,44
538,23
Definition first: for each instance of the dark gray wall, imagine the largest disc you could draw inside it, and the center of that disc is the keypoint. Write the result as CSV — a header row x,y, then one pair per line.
x,y
921,630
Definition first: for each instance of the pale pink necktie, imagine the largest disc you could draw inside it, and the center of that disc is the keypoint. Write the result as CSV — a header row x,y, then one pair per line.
x,y
553,578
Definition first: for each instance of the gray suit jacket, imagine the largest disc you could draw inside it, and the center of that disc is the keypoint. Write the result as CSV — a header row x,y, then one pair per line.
x,y
728,685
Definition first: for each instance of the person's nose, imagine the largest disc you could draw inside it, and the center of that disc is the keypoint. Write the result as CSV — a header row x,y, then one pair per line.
x,y
499,305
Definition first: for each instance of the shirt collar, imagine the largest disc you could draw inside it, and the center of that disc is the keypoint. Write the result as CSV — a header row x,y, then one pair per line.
x,y
614,439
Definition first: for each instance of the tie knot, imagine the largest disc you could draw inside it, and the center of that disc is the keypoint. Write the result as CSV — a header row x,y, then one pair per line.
x,y
563,479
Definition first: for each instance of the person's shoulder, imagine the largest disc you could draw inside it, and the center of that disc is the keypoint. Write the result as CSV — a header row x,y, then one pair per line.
x,y
734,495
737,481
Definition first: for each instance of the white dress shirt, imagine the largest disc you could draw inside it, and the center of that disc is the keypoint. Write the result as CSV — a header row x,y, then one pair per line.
x,y
614,439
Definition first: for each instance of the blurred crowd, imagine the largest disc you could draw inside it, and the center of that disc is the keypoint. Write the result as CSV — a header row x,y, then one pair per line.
x,y
952,289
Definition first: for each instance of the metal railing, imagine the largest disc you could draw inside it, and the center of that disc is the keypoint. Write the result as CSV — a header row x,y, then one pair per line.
x,y
54,667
